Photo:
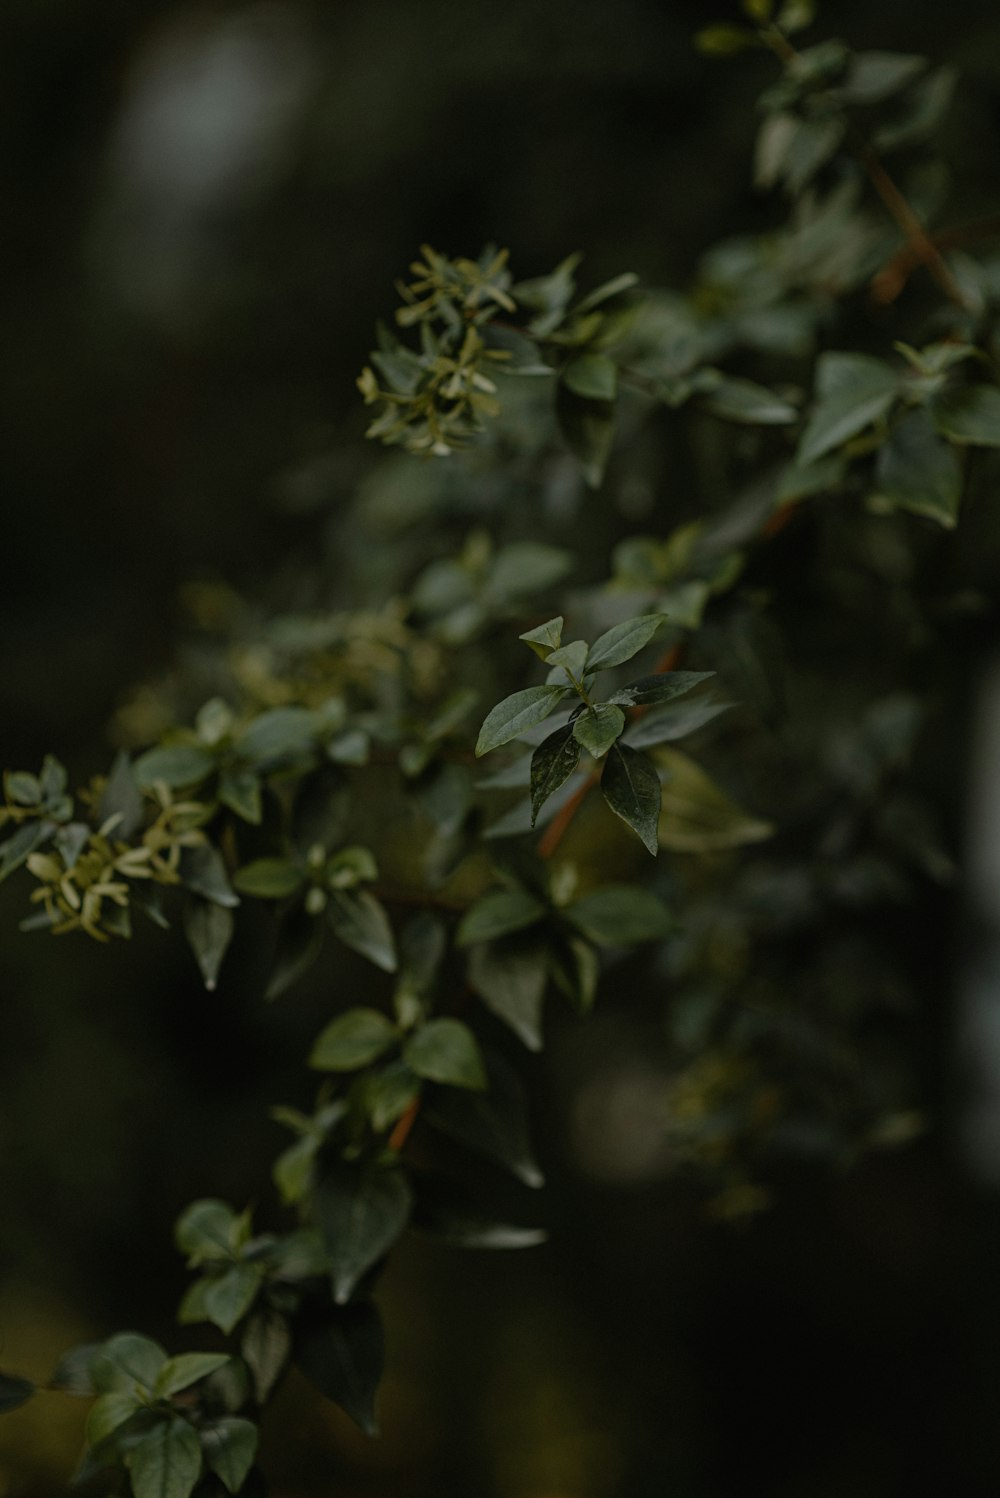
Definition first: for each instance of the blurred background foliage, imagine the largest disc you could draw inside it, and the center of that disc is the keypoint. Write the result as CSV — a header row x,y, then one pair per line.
x,y
205,206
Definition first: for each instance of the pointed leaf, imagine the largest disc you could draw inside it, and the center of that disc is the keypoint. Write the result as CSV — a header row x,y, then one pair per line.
x,y
970,416
697,816
545,638
572,658
229,1446
662,687
588,427
500,911
266,1347
122,798
278,733
510,979
126,1363
360,1212
598,727
520,711
853,391
167,1462
352,1040
209,930
239,789
623,641
186,1369
299,943
619,915
446,1051
203,871
342,1355
493,1123
631,788
675,721
178,765
362,924
918,471
552,763
594,376
209,1231
228,1298
14,1391
107,1413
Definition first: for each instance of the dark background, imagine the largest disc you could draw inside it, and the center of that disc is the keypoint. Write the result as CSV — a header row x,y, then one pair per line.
x,y
204,209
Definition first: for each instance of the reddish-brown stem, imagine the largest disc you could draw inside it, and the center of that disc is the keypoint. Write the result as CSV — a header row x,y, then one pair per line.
x,y
404,1124
555,831
920,243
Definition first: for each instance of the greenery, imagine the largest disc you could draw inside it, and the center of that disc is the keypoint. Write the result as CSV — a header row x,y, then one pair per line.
x,y
828,391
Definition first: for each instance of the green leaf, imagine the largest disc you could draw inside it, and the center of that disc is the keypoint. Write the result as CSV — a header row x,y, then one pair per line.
x,y
28,838
445,1050
493,1124
674,721
360,1212
300,940
293,1169
970,416
122,798
631,787
203,871
500,911
571,659
697,816
269,878
598,727
361,923
552,763
918,471
72,1374
620,643
266,1346
209,1231
592,375
527,567
448,1214
663,687
853,391
178,765
353,1039
588,428
620,915
743,401
576,969
511,717
209,930
167,1462
276,734
342,1355
14,1391
724,39
544,638
229,1446
228,1298
510,979
186,1369
22,789
874,76
388,1093
126,1363
240,791
109,1412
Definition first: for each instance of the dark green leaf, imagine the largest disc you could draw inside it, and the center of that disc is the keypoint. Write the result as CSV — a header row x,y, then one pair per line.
x,y
209,1231
970,416
240,791
571,659
108,1413
72,1373
276,734
520,711
675,721
14,1391
493,1123
510,979
526,568
361,923
552,763
918,471
321,810
697,816
620,643
620,915
342,1354
269,878
853,391
445,1050
631,788
660,688
209,930
28,838
743,401
167,1462
121,798
266,1347
126,1363
360,1212
300,940
186,1369
203,871
228,1298
447,1211
500,911
388,1093
594,376
230,1445
588,427
874,76
353,1039
598,727
545,638
177,764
